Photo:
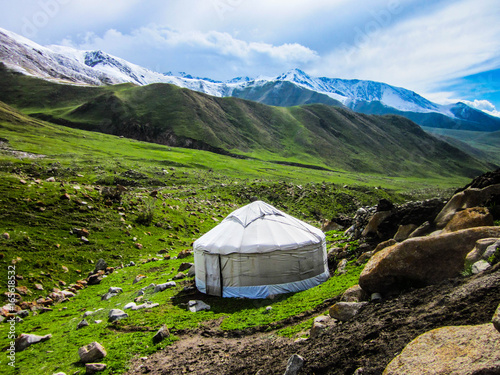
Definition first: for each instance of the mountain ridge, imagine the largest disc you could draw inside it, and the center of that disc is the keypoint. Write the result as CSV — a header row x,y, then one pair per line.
x,y
66,64
318,135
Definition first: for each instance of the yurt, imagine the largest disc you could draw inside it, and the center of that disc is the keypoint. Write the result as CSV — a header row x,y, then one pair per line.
x,y
259,251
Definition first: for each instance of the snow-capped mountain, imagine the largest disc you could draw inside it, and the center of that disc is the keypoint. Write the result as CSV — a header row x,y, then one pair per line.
x,y
295,87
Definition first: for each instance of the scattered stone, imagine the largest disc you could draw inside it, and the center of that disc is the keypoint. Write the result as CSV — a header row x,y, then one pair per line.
x,y
450,350
82,324
146,305
341,267
345,310
192,272
195,306
94,279
319,326
117,314
23,290
92,352
50,179
101,265
496,319
161,335
184,254
6,236
179,276
421,261
294,365
87,313
376,297
480,266
138,278
92,368
38,286
85,240
354,294
23,313
25,340
164,286
138,245
129,305
185,266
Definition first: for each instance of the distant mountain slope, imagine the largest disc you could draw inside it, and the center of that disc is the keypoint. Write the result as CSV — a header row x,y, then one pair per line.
x,y
316,135
294,87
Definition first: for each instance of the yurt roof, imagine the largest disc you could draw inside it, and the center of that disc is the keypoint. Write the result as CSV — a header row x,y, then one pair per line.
x,y
258,228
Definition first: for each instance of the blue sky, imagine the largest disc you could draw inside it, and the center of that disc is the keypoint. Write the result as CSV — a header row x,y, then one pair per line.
x,y
445,50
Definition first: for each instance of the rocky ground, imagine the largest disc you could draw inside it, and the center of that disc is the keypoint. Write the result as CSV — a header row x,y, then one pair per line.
x,y
369,341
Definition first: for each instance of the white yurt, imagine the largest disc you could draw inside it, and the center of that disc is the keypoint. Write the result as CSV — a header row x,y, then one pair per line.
x,y
259,251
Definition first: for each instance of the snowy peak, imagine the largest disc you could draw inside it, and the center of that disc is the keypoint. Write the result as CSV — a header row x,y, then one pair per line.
x,y
69,65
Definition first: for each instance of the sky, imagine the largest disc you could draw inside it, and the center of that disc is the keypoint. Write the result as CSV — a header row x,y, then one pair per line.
x,y
444,50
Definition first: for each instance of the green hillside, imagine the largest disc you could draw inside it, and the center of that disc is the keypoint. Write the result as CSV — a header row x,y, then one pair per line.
x,y
144,202
317,135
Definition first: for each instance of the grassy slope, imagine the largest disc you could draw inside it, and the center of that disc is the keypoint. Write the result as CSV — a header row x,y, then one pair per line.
x,y
196,190
316,134
488,143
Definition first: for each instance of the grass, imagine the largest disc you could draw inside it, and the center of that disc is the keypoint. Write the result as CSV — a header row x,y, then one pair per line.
x,y
133,336
124,192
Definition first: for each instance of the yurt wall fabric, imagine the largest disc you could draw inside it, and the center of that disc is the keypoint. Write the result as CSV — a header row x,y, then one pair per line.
x,y
259,251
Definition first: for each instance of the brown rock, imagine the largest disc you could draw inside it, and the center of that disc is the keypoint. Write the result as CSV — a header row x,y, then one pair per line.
x,y
375,221
184,254
354,294
479,249
385,244
421,261
345,310
23,290
94,279
25,340
91,352
38,286
450,350
92,368
404,232
470,218
467,198
162,334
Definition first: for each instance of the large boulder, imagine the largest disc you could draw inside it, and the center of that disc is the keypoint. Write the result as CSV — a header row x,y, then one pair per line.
x,y
467,198
421,261
470,218
450,350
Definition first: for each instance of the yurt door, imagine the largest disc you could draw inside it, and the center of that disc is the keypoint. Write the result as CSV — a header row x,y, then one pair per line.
x,y
213,275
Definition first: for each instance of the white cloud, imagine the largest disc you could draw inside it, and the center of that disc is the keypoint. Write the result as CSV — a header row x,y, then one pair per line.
x,y
418,53
483,105
219,50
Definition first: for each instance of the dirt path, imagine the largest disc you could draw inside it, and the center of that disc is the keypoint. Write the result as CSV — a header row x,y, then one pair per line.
x,y
375,336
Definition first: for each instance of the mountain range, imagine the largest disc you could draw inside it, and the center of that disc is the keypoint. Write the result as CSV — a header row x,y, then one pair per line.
x,y
295,87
